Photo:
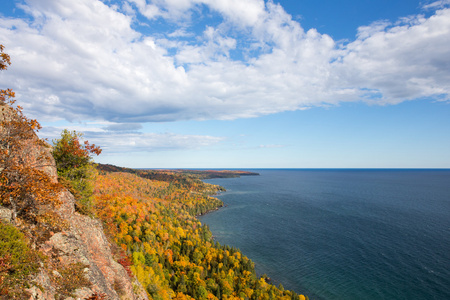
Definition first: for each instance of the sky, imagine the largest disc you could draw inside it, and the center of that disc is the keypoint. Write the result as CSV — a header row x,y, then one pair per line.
x,y
237,83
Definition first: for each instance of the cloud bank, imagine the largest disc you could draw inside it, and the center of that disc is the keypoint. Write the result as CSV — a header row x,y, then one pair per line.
x,y
114,139
166,60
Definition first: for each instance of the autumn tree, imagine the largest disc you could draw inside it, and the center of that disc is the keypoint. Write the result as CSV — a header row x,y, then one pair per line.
x,y
75,166
24,186
171,253
5,59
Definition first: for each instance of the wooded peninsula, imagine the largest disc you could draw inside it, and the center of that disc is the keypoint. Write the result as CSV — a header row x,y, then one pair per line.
x,y
153,221
72,229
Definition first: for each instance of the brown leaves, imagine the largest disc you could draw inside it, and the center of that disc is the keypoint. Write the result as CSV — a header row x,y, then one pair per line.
x,y
97,296
5,59
5,267
69,278
23,187
19,182
6,94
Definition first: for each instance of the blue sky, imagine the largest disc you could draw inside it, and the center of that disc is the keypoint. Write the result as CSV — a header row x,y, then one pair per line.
x,y
237,84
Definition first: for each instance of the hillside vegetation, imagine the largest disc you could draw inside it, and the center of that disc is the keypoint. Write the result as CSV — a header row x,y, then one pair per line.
x,y
48,250
55,207
172,254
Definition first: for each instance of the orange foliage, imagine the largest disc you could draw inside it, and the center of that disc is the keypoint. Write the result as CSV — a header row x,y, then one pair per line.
x,y
174,255
4,59
23,186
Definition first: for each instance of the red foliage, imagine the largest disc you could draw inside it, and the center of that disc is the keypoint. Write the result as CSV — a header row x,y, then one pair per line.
x,y
126,263
96,296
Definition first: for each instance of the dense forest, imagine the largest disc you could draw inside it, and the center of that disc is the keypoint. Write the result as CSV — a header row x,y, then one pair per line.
x,y
172,254
149,217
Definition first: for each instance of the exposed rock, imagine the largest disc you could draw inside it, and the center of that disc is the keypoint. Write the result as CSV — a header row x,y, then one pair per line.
x,y
82,242
86,243
5,214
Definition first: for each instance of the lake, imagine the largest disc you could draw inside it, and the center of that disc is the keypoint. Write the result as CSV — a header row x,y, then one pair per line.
x,y
342,233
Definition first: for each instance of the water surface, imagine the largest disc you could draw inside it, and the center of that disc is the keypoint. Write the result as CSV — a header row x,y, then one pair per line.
x,y
342,234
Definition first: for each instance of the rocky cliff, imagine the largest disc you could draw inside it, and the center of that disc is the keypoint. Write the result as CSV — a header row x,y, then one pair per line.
x,y
79,247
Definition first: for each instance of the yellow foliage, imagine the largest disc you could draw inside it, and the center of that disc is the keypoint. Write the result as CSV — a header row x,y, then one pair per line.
x,y
174,256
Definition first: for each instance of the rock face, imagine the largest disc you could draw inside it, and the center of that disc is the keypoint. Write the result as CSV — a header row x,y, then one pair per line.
x,y
82,242
85,242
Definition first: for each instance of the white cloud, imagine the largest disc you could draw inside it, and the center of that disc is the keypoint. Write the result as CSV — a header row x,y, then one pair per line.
x,y
124,138
83,60
245,13
402,62
437,4
150,142
175,10
124,127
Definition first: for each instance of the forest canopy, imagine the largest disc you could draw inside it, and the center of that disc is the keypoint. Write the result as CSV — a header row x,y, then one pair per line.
x,y
151,215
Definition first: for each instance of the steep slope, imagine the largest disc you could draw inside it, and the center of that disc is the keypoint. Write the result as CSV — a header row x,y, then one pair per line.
x,y
79,262
152,215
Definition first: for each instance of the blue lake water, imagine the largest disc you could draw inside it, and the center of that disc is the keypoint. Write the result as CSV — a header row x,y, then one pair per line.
x,y
342,234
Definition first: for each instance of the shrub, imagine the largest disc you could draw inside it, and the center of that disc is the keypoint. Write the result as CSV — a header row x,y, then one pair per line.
x,y
75,167
17,262
70,278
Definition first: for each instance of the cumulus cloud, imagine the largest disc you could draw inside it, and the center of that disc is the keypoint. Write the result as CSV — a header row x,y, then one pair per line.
x,y
85,60
405,61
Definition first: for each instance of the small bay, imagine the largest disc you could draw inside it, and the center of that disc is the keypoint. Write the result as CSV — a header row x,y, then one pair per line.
x,y
342,233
